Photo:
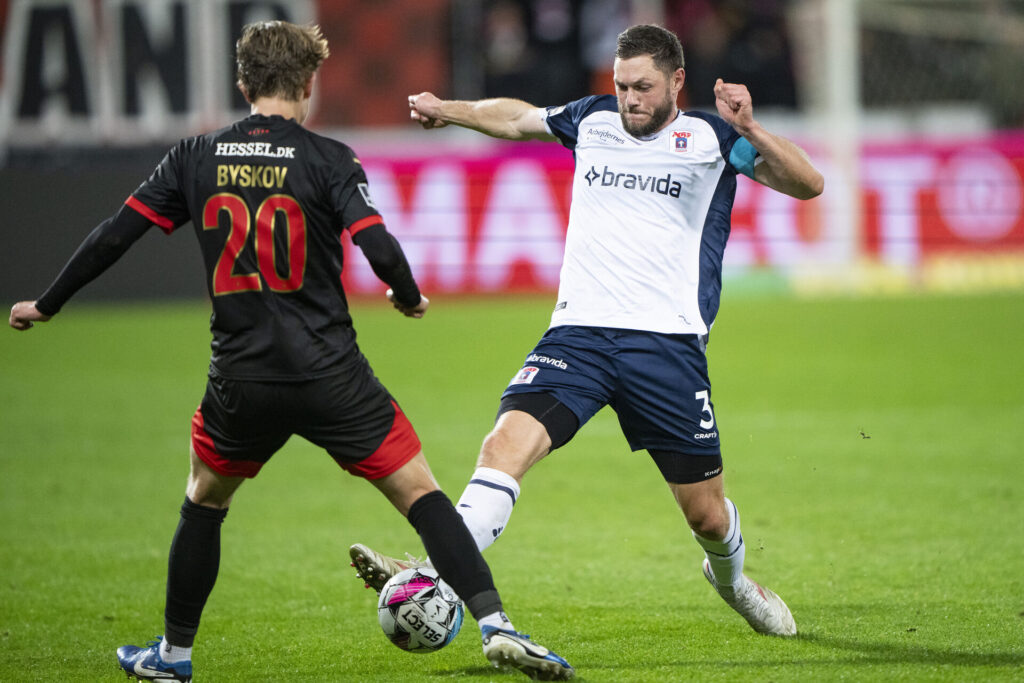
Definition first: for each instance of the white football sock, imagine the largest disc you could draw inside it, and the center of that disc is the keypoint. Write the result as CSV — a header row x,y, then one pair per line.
x,y
726,556
172,654
496,619
486,504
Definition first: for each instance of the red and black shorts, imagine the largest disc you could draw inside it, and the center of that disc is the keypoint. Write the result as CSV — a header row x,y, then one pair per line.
x,y
240,424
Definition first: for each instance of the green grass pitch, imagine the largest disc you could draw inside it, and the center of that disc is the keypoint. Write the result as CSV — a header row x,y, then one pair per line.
x,y
873,446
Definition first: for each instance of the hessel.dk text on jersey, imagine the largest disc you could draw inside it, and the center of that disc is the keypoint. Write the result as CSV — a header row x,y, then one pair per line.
x,y
254,149
630,181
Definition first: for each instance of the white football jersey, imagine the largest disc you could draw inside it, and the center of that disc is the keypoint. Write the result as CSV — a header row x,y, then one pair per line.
x,y
649,218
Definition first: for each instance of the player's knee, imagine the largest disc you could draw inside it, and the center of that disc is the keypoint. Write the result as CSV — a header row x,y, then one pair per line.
x,y
501,450
499,447
208,488
708,522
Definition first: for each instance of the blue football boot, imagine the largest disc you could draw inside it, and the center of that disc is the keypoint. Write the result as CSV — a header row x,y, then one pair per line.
x,y
145,664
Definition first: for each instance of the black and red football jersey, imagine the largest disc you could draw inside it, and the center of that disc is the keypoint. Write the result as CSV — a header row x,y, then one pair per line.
x,y
268,200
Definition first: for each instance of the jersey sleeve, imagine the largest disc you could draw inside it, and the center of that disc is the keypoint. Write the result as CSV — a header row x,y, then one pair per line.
x,y
350,194
161,198
736,149
564,122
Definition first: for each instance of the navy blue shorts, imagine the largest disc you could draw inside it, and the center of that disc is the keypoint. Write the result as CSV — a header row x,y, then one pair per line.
x,y
656,383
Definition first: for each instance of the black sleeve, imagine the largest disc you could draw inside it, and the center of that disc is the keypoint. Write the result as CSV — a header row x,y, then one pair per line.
x,y
101,249
388,262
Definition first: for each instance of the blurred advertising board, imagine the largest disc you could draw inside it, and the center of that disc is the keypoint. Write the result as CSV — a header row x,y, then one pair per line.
x,y
934,215
91,76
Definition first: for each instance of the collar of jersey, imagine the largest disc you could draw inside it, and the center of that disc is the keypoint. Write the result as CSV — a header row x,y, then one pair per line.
x,y
274,118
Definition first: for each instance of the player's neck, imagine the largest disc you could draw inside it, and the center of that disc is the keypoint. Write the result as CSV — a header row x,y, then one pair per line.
x,y
276,106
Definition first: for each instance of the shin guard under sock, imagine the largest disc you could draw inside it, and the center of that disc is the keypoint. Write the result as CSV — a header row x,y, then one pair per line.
x,y
191,570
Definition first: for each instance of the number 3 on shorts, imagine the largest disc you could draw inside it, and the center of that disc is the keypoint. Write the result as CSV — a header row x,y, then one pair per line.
x,y
710,422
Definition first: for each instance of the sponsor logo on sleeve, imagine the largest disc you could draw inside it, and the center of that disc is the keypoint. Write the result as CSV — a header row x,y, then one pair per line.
x,y
365,191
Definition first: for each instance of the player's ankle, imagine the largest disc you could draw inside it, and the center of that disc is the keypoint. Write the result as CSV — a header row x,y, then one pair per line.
x,y
497,620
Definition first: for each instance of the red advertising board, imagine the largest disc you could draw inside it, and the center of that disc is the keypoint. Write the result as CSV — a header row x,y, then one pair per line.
x,y
924,199
494,220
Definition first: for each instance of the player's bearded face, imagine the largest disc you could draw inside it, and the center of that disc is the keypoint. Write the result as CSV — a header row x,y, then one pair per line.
x,y
641,122
646,96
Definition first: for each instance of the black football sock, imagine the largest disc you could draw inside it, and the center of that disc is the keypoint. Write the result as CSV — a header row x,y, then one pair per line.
x,y
454,554
191,570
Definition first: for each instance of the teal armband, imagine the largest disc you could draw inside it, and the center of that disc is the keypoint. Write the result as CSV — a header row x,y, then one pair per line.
x,y
742,157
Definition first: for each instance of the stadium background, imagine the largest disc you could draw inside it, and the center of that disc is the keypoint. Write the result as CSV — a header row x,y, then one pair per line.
x,y
909,107
873,437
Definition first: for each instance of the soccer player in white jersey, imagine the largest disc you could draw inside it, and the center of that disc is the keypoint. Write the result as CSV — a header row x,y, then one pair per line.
x,y
638,293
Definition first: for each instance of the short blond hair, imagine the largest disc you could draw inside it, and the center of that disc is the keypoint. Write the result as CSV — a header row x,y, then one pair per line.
x,y
277,58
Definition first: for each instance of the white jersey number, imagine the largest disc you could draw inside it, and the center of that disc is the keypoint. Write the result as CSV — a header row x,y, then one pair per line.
x,y
710,422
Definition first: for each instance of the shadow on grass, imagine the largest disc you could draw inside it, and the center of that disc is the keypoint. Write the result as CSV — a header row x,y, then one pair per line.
x,y
884,651
801,654
875,652
861,652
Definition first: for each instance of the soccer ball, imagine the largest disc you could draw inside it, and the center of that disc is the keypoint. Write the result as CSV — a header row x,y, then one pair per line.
x,y
418,612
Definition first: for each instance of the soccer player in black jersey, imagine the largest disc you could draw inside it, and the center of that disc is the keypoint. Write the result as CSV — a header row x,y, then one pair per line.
x,y
269,200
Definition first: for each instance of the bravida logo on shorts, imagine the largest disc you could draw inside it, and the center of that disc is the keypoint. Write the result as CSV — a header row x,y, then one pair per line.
x,y
525,375
557,362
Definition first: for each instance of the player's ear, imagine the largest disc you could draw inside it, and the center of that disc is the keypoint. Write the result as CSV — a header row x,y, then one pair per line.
x,y
678,78
244,92
307,90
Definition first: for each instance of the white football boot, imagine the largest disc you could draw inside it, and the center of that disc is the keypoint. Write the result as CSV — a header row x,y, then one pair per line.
x,y
764,610
504,648
375,568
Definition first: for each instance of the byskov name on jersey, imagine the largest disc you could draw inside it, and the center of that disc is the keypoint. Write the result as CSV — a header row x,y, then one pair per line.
x,y
630,181
253,149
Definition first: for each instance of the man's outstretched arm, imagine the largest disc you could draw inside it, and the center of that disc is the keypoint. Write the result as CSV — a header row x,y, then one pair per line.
x,y
501,117
784,167
101,249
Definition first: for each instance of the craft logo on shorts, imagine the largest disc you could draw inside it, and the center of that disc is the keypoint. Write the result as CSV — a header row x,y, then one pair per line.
x,y
681,140
525,375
